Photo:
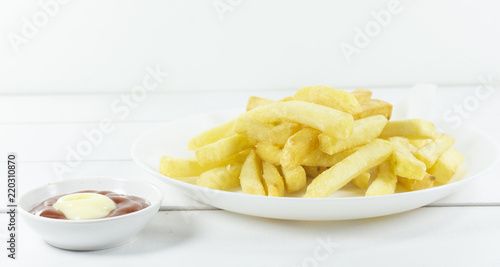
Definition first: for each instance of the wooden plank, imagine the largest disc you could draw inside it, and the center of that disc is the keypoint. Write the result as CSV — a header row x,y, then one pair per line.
x,y
60,142
426,236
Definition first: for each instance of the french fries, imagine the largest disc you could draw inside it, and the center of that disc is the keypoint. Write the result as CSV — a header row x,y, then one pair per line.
x,y
446,166
335,123
372,107
385,183
176,167
413,129
255,101
212,135
330,97
362,95
429,153
298,147
221,178
253,128
343,172
273,182
272,154
364,131
313,171
362,180
295,179
412,185
286,98
327,135
220,150
280,134
251,175
320,158
403,162
269,152
418,143
189,167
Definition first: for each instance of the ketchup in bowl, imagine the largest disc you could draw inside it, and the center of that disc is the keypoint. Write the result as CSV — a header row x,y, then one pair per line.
x,y
89,204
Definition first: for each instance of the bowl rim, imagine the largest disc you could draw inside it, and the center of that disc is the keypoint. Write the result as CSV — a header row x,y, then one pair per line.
x,y
153,205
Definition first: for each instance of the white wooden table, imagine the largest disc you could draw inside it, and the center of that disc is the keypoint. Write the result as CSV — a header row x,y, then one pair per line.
x,y
460,230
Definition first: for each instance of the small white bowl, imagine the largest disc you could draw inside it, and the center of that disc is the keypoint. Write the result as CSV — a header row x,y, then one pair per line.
x,y
92,234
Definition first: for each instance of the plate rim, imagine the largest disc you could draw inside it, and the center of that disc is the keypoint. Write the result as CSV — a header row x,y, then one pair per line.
x,y
136,159
160,176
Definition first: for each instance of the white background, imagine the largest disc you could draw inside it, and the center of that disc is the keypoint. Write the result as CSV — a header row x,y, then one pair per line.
x,y
104,46
90,57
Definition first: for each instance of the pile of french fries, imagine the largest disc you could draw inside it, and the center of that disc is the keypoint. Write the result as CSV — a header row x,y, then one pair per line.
x,y
319,139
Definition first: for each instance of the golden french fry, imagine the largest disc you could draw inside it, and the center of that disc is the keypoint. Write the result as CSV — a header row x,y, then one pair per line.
x,y
280,133
330,97
220,150
362,95
179,167
324,133
251,175
189,167
368,156
253,128
364,131
273,182
446,166
298,147
372,107
332,122
412,128
286,98
429,153
418,143
385,183
403,162
269,152
413,148
255,101
313,171
320,158
295,179
221,178
362,180
212,135
413,185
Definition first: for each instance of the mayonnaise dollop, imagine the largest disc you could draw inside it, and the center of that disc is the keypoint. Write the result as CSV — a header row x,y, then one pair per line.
x,y
85,206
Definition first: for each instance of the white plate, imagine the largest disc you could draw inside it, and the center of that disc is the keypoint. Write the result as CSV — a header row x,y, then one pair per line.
x,y
481,153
